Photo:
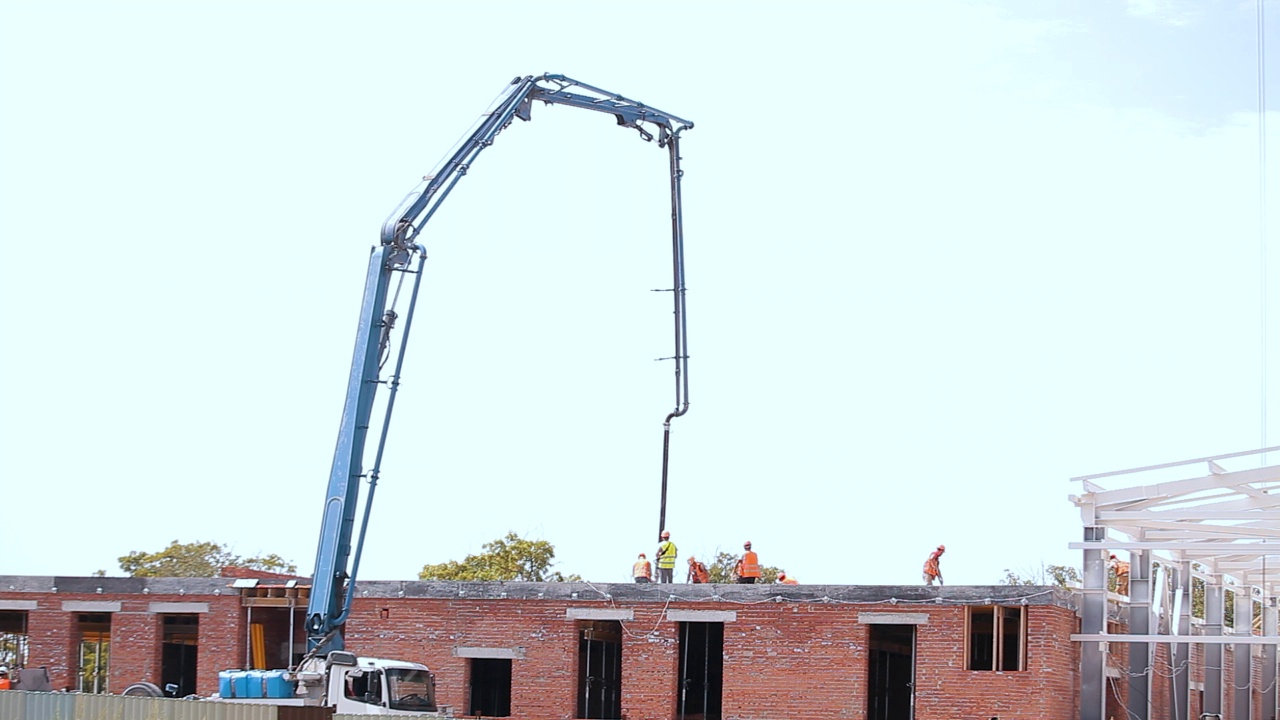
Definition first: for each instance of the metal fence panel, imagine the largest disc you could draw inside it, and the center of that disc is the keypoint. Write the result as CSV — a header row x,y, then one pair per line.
x,y
20,705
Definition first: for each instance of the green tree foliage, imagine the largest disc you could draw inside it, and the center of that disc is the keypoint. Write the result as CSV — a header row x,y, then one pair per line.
x,y
198,559
1060,575
722,569
507,558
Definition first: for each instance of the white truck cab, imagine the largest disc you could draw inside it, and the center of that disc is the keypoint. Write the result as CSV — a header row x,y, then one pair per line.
x,y
342,681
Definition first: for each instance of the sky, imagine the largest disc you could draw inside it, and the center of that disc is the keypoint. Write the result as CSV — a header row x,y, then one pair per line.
x,y
941,259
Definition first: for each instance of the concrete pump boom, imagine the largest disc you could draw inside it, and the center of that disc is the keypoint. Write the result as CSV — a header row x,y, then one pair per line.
x,y
336,567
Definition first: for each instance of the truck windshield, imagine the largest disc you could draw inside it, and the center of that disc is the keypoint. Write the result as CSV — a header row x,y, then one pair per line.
x,y
409,689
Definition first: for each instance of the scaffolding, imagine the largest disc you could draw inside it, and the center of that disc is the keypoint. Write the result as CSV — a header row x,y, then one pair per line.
x,y
1196,531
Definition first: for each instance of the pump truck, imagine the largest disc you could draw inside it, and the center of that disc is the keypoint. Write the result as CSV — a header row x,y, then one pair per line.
x,y
329,675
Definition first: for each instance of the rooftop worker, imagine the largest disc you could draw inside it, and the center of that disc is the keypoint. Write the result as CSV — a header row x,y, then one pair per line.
x,y
1121,570
932,570
4,678
748,568
786,579
666,558
698,572
642,571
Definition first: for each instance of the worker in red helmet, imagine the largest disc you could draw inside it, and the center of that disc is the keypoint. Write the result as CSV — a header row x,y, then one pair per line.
x,y
932,567
642,571
698,572
748,568
786,579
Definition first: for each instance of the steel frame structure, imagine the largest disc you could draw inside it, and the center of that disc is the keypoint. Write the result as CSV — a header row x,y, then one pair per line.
x,y
1216,519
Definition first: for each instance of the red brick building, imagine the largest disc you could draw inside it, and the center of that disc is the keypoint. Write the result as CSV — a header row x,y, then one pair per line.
x,y
577,650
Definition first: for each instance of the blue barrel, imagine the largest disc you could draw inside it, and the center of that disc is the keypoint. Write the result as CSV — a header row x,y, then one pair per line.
x,y
276,686
240,684
256,683
225,686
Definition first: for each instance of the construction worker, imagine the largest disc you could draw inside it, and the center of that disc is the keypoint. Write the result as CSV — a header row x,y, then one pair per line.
x,y
748,568
786,579
1121,569
698,572
4,678
642,571
666,558
932,568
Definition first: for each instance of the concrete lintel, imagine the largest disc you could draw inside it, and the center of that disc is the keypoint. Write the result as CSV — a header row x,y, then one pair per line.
x,y
482,653
702,615
598,614
90,606
178,607
18,604
892,618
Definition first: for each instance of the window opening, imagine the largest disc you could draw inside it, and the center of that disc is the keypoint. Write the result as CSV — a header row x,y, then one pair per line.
x,y
891,672
600,669
490,687
95,652
412,690
997,638
364,686
178,654
701,671
13,638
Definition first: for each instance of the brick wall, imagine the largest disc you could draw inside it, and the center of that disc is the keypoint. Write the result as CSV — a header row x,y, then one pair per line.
x,y
801,660
803,657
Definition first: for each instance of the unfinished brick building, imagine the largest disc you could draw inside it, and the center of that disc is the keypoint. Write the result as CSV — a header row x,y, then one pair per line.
x,y
578,650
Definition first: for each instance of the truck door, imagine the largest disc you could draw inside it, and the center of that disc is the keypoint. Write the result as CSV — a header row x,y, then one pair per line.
x,y
362,692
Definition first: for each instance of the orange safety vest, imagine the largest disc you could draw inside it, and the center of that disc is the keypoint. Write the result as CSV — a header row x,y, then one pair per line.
x,y
4,683
749,565
643,569
700,573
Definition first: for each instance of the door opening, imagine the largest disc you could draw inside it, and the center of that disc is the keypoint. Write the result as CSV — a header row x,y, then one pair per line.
x,y
891,672
701,671
600,669
178,654
490,687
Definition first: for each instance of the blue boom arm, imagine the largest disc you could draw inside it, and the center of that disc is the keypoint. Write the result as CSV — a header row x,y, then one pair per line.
x,y
393,260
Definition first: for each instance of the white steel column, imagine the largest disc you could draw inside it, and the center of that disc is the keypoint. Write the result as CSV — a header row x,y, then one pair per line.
x,y
1181,684
1242,655
1139,701
1093,619
1213,653
1269,618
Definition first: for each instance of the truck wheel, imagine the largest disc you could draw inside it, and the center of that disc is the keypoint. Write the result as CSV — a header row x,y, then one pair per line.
x,y
143,689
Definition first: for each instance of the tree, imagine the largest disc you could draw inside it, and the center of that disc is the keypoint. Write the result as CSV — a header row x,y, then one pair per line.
x,y
507,558
722,568
198,559
1060,575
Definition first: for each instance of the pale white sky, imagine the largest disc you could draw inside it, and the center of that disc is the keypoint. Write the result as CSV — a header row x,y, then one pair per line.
x,y
941,259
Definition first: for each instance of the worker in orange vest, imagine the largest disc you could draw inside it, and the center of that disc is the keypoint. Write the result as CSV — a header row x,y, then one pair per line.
x,y
748,568
786,579
932,566
642,571
1121,569
698,572
4,678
